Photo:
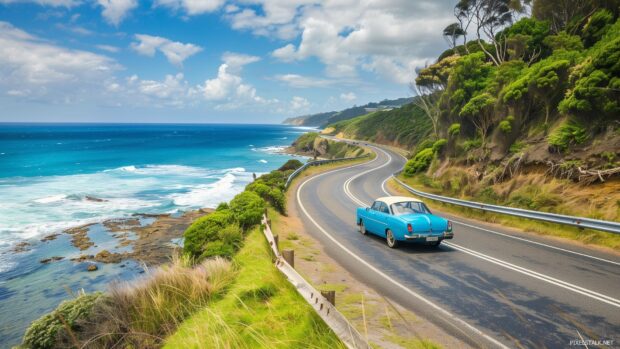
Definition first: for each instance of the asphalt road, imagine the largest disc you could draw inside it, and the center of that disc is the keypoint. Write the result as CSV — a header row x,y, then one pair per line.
x,y
488,286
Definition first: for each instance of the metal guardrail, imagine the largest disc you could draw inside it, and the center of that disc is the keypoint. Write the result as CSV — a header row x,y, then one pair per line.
x,y
318,162
332,317
581,222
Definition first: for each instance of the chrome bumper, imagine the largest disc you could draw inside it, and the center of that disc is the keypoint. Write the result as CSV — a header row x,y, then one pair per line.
x,y
445,235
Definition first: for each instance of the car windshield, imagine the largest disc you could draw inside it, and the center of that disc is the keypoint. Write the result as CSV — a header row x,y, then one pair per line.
x,y
409,207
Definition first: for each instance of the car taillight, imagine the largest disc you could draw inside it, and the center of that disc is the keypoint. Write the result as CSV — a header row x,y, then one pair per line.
x,y
449,226
409,228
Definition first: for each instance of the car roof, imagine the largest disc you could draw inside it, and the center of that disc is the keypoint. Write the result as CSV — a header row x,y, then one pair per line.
x,y
390,200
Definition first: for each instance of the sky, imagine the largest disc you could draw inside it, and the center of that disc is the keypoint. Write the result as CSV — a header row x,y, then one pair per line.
x,y
209,61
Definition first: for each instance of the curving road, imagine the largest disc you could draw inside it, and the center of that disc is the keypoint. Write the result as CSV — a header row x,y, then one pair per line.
x,y
487,287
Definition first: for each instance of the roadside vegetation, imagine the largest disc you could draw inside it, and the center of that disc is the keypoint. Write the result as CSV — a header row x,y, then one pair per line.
x,y
526,117
311,144
222,290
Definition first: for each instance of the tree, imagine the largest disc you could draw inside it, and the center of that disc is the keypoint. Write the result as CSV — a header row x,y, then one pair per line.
x,y
549,82
452,32
429,84
562,14
480,111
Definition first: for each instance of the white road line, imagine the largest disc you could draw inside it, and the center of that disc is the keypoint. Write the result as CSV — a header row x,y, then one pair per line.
x,y
385,276
516,237
566,285
536,275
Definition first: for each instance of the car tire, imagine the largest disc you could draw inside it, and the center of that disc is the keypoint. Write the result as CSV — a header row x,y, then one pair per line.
x,y
390,239
363,228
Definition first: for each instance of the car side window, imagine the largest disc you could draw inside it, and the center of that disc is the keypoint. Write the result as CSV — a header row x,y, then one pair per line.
x,y
376,206
384,208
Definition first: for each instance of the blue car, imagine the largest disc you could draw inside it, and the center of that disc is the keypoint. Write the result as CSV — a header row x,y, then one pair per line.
x,y
399,219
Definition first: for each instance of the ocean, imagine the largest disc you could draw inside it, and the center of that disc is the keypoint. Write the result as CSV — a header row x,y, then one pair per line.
x,y
57,176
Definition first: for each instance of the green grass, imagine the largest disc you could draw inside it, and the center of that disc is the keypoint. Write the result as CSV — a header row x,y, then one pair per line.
x,y
260,310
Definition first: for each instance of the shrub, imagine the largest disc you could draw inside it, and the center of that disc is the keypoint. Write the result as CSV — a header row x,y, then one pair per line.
x,y
566,135
50,328
506,125
230,239
292,164
472,144
454,130
204,230
259,187
278,200
517,147
222,206
247,208
439,145
420,162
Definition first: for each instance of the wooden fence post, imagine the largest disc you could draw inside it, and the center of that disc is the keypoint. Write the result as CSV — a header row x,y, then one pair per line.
x,y
289,257
330,296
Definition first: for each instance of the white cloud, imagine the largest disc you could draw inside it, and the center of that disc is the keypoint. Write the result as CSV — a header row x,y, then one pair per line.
x,y
236,61
227,89
192,7
389,37
175,52
300,81
172,91
114,11
34,68
299,103
108,48
53,3
348,97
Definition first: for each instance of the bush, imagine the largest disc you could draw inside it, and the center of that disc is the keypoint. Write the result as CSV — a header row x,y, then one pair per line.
x,y
247,208
506,125
454,130
204,230
229,240
472,144
222,206
278,200
49,329
439,145
420,162
566,135
292,164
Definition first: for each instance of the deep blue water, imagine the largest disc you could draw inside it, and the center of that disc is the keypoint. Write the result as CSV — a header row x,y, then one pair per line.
x,y
48,172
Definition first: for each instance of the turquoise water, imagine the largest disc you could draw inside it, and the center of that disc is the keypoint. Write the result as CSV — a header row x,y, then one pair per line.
x,y
49,174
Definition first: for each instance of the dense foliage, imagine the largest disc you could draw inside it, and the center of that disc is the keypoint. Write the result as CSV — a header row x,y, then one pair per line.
x,y
46,331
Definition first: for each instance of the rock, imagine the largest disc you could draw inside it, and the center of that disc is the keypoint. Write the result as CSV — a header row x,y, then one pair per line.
x,y
50,237
21,247
94,199
92,267
51,259
106,256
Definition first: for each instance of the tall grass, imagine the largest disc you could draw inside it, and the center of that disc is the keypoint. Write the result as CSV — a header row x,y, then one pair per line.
x,y
142,313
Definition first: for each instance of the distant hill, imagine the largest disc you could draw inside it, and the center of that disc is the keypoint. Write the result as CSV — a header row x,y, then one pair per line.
x,y
323,119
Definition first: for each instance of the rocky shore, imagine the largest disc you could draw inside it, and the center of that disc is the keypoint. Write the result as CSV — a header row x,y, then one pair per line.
x,y
145,238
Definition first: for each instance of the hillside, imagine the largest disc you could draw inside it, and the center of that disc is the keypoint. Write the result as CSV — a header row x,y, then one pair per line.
x,y
323,119
529,119
403,127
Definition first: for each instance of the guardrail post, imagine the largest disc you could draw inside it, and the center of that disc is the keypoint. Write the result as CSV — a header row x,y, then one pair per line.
x,y
330,296
289,257
276,239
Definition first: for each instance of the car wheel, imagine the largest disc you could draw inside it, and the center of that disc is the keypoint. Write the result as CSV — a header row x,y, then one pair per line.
x,y
391,240
362,228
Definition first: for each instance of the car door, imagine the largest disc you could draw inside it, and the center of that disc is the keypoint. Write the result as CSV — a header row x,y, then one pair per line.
x,y
382,219
372,218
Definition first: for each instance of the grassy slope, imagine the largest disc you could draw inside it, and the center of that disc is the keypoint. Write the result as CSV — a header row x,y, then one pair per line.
x,y
404,127
257,312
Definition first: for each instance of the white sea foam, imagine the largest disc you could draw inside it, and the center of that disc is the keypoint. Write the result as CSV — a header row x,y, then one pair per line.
x,y
50,199
36,206
274,149
262,161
